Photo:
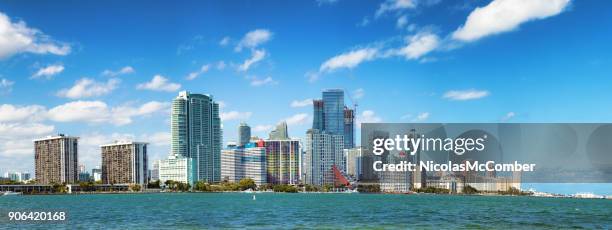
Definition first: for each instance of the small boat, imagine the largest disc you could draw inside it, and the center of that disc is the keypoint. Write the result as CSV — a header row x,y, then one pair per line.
x,y
9,193
254,197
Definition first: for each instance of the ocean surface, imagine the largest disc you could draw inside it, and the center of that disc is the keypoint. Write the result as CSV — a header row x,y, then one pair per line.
x,y
330,211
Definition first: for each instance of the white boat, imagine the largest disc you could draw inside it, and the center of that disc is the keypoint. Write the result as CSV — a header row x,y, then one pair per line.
x,y
9,193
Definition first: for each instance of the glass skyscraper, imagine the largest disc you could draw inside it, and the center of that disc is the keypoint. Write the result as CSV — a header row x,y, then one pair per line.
x,y
333,110
196,133
244,134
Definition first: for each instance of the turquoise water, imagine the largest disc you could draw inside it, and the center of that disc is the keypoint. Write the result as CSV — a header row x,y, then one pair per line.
x,y
270,210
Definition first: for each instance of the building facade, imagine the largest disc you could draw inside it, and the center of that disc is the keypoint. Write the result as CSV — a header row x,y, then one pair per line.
x,y
244,134
96,173
349,128
332,116
56,159
124,163
323,150
155,171
196,133
177,168
353,162
280,132
244,162
283,161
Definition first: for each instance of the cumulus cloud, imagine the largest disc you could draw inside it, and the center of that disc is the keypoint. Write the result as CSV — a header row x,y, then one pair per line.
x,y
262,128
17,37
395,5
122,71
297,119
49,71
506,15
349,59
12,113
194,75
87,87
464,95
159,83
235,115
254,38
301,103
419,45
256,56
261,82
100,112
367,116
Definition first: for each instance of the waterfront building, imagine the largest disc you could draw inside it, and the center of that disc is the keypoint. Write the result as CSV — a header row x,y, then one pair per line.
x,y
177,168
155,171
280,132
323,151
349,128
353,162
332,116
84,176
283,161
96,173
26,176
244,134
124,162
244,162
196,133
56,159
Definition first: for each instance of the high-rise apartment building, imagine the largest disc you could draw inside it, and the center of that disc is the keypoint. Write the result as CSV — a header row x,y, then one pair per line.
x,y
353,162
349,128
56,159
96,173
177,168
323,151
333,117
196,133
244,134
155,171
124,162
244,162
280,132
283,161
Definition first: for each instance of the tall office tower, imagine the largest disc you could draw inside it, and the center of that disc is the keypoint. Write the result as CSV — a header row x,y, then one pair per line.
x,y
283,161
56,159
177,168
349,128
124,162
155,171
280,133
25,176
244,162
332,116
196,133
333,109
244,134
318,121
323,150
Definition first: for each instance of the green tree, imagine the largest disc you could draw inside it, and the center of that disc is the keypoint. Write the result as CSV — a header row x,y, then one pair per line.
x,y
153,184
202,186
135,187
247,183
470,190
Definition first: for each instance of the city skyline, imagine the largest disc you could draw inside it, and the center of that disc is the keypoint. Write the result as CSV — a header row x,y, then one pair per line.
x,y
400,63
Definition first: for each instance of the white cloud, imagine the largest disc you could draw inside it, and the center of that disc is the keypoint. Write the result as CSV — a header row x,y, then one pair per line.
x,y
401,21
358,93
16,139
194,75
48,71
86,87
394,5
122,71
297,119
158,138
100,112
8,130
506,15
17,37
11,113
348,60
325,2
123,115
224,41
367,116
235,115
159,83
221,65
419,45
263,128
464,95
508,116
256,56
253,39
406,116
421,117
260,82
302,103
6,86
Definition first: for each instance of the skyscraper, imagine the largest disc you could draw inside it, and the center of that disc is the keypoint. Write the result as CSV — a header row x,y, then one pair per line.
x,y
124,163
280,133
244,134
196,133
323,150
283,161
56,159
318,121
349,128
333,117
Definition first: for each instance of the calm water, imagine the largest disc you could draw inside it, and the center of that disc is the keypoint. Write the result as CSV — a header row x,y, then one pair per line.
x,y
234,210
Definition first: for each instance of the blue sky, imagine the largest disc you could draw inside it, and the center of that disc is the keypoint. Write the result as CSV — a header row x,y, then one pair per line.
x,y
108,70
